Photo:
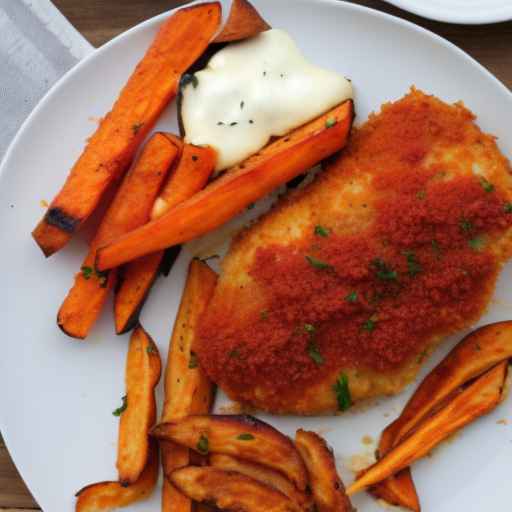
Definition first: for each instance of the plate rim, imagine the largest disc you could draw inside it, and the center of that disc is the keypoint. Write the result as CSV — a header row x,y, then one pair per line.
x,y
465,18
55,89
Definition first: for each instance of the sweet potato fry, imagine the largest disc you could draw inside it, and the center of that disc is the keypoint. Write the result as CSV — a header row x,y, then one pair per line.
x,y
264,475
326,485
104,496
143,368
187,390
476,353
189,176
180,41
479,398
244,21
241,436
230,490
129,209
225,197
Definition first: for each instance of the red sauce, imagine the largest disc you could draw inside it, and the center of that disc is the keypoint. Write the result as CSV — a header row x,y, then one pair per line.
x,y
420,269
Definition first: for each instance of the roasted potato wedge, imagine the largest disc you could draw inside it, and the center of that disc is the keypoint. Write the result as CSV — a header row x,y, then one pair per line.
x,y
241,185
230,490
326,485
475,354
187,390
479,398
241,436
143,368
104,496
264,475
244,21
181,39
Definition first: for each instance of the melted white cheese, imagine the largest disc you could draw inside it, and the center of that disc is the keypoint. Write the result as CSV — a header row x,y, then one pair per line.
x,y
253,90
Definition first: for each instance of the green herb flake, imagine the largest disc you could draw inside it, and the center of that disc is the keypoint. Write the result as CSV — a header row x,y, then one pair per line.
x,y
342,392
136,127
316,263
322,231
421,194
314,353
150,349
384,272
245,437
507,207
192,362
123,407
486,185
309,328
87,272
351,297
330,122
202,445
476,243
369,325
413,266
466,225
264,314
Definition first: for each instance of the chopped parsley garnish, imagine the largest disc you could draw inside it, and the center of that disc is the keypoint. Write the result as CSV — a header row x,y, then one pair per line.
x,y
369,325
507,207
309,328
136,127
314,353
316,263
466,225
192,362
202,445
264,314
150,349
476,243
234,123
342,392
123,407
486,185
413,266
245,437
383,271
87,272
421,194
322,231
330,122
351,297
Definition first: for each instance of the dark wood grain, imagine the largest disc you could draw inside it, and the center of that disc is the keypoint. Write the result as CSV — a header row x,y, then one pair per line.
x,y
101,20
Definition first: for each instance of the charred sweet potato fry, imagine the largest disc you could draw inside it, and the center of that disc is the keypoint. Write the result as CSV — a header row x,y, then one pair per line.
x,y
476,353
143,368
240,436
180,41
130,208
264,475
104,496
244,21
274,165
189,176
187,390
477,399
326,485
230,490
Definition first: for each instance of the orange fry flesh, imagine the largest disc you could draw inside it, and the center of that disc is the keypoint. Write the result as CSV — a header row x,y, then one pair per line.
x,y
181,40
104,496
143,368
274,165
129,209
479,398
187,390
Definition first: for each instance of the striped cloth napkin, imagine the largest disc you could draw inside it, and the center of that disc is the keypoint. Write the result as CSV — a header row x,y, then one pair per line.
x,y
37,46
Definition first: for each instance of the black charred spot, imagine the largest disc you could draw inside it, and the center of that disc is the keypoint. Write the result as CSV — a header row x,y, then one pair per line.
x,y
58,218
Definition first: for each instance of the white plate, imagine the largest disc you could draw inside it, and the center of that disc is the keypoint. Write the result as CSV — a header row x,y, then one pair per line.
x,y
474,12
57,394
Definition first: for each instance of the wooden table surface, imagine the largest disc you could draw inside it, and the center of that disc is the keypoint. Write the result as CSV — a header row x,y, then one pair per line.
x,y
101,20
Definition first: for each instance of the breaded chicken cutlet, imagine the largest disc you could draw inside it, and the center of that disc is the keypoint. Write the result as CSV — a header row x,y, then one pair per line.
x,y
353,280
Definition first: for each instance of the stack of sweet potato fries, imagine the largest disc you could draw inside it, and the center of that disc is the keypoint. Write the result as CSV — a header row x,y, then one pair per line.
x,y
166,198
